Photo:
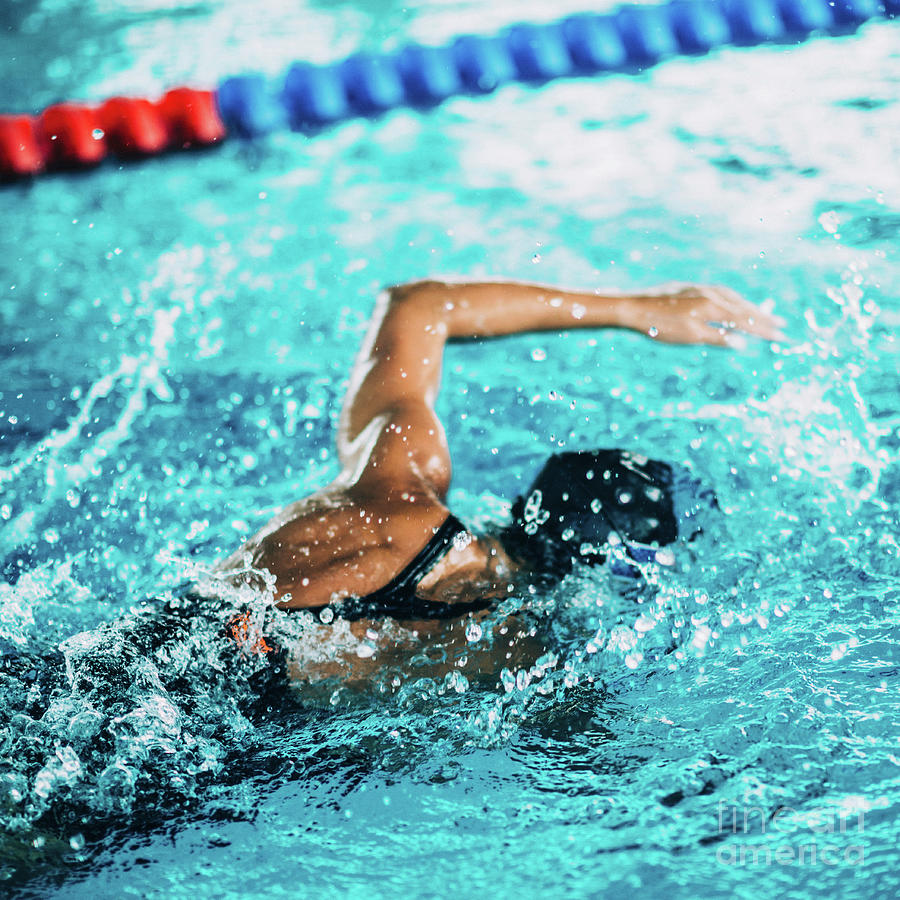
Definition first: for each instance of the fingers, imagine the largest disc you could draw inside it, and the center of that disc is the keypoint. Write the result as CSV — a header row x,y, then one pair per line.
x,y
707,314
734,313
734,337
719,336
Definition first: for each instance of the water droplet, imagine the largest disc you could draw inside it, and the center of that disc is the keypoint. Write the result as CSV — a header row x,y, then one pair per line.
x,y
830,221
665,556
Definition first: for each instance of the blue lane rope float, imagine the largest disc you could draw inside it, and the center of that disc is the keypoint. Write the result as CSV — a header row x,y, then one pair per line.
x,y
631,38
311,97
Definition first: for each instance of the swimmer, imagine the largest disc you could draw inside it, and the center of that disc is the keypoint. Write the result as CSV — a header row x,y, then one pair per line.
x,y
379,550
400,588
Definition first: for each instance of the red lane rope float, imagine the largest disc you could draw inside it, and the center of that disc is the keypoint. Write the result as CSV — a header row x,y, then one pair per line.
x,y
74,135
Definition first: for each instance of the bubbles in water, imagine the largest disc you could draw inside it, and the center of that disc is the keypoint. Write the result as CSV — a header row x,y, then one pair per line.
x,y
76,842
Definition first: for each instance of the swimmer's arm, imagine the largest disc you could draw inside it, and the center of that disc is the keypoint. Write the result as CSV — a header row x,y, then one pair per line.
x,y
390,439
389,436
676,313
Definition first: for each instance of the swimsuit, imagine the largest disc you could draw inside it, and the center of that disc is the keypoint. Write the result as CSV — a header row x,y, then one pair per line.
x,y
398,598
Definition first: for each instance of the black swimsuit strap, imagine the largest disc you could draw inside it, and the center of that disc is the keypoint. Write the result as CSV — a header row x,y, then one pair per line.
x,y
438,546
398,599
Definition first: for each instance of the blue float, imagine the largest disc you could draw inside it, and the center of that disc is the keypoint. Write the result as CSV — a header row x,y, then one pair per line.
x,y
629,39
698,25
595,43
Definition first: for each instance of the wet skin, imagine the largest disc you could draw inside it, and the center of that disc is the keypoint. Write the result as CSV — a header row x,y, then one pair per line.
x,y
357,533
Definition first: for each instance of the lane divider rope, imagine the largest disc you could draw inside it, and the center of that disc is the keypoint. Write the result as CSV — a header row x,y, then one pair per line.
x,y
311,97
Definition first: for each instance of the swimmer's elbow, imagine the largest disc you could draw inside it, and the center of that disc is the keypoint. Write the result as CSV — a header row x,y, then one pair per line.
x,y
418,303
415,291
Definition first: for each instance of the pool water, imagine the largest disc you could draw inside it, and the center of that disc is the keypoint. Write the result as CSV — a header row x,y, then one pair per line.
x,y
177,335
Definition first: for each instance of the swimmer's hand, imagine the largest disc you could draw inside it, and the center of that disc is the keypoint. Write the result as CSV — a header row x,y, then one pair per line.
x,y
699,314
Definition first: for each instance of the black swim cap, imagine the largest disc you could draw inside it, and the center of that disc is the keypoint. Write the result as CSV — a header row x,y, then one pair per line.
x,y
581,502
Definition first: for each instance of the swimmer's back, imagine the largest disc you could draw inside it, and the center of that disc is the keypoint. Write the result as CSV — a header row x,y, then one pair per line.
x,y
339,543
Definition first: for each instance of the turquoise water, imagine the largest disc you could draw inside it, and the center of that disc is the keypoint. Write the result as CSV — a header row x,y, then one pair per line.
x,y
177,335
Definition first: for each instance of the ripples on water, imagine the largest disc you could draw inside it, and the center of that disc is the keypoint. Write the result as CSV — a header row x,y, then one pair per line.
x,y
177,337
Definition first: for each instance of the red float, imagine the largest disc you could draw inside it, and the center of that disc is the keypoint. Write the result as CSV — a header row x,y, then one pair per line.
x,y
133,127
73,135
70,135
192,117
20,154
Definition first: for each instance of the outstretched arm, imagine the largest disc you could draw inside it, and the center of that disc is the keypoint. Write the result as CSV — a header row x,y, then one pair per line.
x,y
389,434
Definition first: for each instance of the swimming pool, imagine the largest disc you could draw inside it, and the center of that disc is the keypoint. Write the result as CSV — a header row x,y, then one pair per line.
x,y
177,335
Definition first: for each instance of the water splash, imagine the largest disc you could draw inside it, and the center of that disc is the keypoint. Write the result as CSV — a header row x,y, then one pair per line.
x,y
67,457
